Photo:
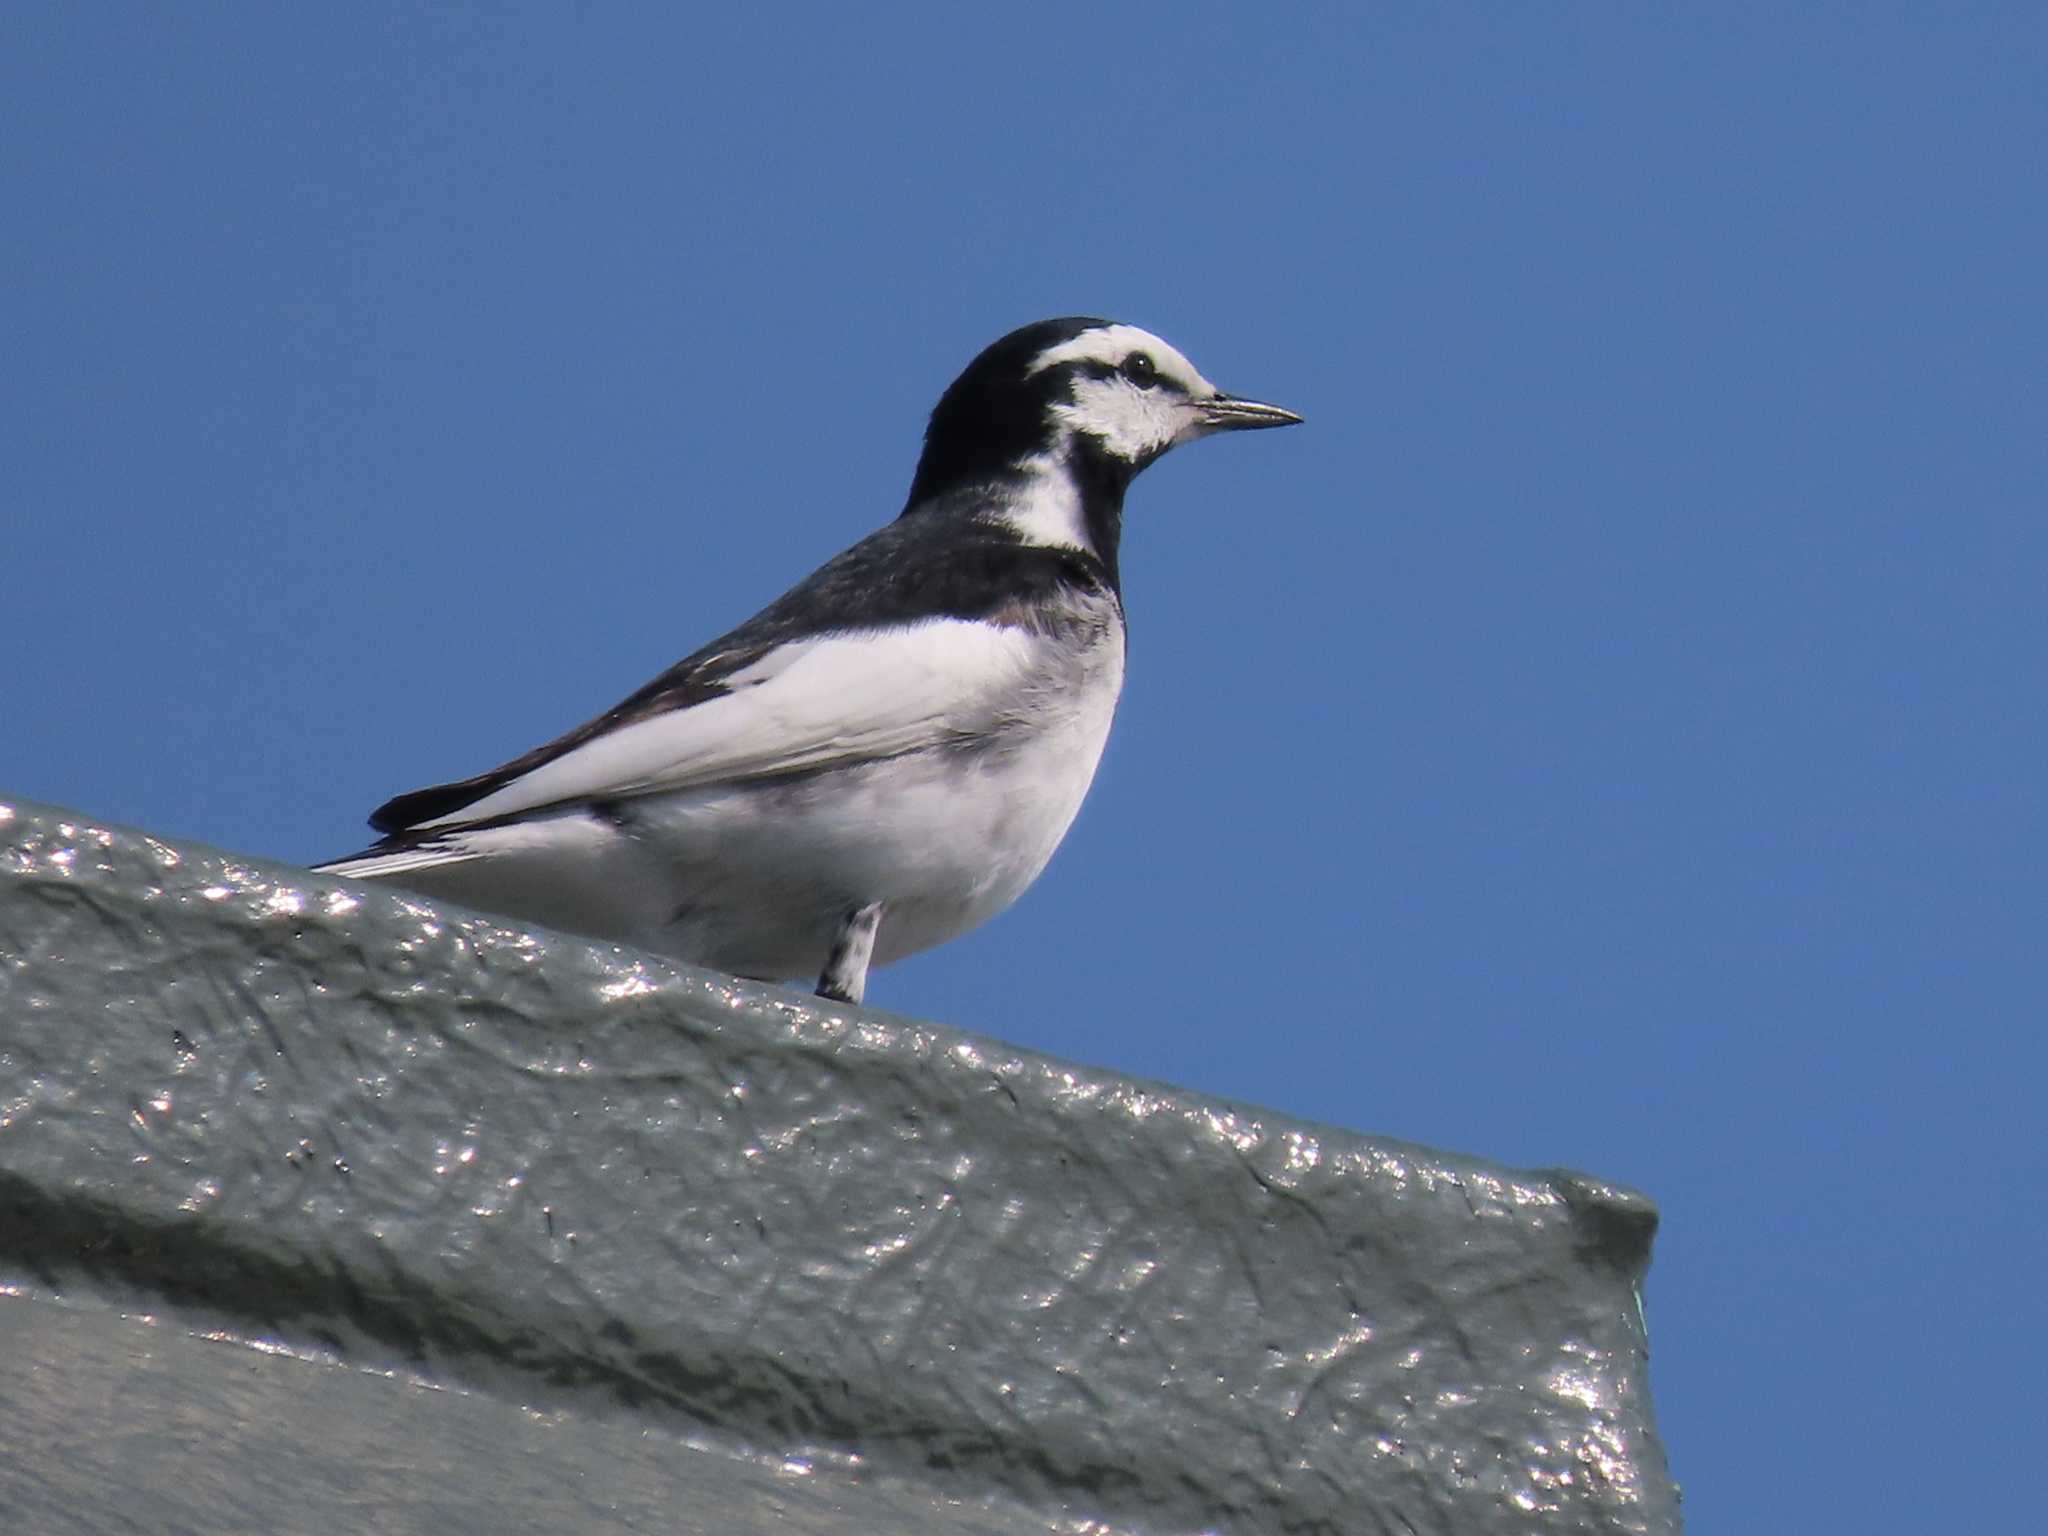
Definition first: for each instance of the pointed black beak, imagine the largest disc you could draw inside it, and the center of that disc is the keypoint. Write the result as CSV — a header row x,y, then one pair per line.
x,y
1227,413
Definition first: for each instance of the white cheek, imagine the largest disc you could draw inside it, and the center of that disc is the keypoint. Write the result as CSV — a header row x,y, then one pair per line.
x,y
1131,422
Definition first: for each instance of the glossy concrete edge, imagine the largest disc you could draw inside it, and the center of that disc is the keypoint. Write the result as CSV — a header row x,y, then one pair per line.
x,y
261,1103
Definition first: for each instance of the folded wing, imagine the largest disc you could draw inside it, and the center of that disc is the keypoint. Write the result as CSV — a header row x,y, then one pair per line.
x,y
791,708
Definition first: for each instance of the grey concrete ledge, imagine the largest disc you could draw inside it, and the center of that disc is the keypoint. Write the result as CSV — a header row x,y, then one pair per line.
x,y
944,1280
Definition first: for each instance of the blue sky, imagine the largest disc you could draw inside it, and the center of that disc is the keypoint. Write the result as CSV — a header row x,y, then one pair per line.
x,y
1610,733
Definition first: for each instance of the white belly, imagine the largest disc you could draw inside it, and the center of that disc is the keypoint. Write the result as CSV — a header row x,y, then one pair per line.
x,y
764,874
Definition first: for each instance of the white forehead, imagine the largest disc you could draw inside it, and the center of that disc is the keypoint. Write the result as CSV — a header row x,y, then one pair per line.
x,y
1111,344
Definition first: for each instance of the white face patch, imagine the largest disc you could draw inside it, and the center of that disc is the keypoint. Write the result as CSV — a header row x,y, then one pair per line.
x,y
1131,421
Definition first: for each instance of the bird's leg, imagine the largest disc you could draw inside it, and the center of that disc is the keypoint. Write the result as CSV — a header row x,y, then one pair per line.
x,y
846,968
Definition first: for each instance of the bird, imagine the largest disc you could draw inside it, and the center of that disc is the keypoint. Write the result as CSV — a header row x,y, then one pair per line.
x,y
888,754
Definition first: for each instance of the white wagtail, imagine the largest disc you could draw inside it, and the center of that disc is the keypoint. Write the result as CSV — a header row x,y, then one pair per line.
x,y
886,755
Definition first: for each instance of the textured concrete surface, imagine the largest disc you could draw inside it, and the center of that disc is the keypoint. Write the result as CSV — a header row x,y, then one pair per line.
x,y
117,1423
505,1212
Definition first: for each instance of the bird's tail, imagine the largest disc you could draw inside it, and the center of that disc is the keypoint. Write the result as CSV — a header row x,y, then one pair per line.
x,y
388,862
541,871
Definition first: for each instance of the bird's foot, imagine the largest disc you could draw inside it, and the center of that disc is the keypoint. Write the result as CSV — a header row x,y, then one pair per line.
x,y
845,978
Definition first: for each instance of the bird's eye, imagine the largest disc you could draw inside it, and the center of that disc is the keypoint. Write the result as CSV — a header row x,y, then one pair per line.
x,y
1141,370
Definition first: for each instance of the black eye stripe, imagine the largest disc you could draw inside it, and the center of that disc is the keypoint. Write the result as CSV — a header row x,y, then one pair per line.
x,y
1099,368
1140,370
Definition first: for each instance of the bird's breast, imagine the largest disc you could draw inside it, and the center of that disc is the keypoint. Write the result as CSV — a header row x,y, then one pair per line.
x,y
984,817
944,836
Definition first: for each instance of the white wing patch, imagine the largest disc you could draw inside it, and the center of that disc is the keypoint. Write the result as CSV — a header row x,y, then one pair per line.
x,y
843,698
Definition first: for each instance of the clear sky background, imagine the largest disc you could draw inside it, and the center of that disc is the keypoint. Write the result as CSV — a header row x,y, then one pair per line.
x,y
1610,733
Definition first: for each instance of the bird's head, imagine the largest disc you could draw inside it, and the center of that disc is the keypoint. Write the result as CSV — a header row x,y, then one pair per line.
x,y
1095,398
